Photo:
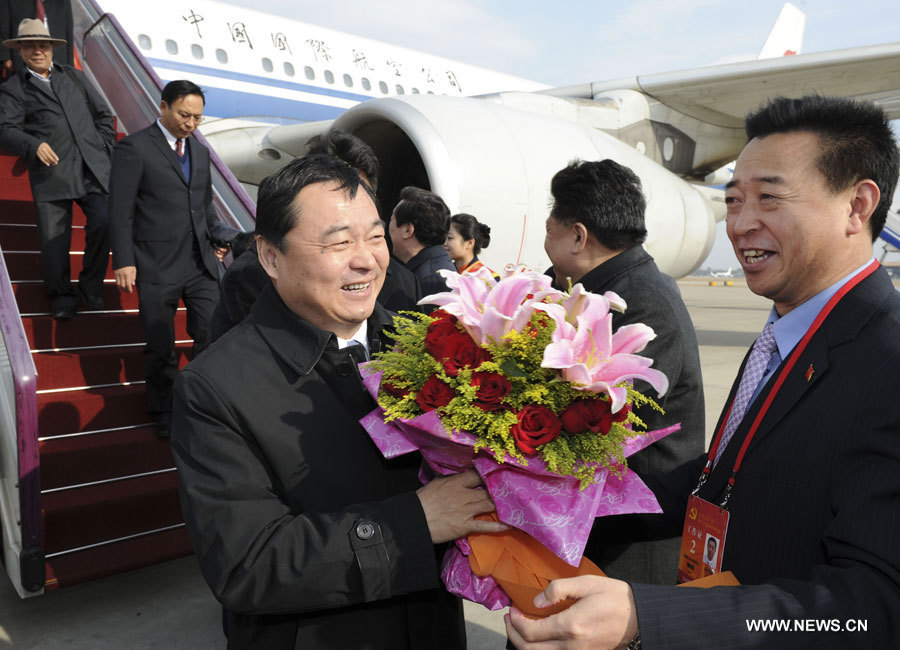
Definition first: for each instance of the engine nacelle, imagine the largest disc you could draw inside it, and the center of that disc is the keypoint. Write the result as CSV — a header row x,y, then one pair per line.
x,y
496,162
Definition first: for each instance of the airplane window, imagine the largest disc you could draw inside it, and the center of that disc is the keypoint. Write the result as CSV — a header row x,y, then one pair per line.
x,y
289,68
309,72
415,91
197,51
348,81
366,84
144,42
329,76
400,90
221,56
382,87
267,64
171,46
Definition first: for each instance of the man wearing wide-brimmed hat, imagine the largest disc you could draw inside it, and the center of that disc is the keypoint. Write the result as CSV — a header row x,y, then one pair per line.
x,y
55,14
52,117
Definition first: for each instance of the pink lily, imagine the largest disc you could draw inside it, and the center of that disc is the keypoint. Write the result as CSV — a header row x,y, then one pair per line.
x,y
596,360
489,309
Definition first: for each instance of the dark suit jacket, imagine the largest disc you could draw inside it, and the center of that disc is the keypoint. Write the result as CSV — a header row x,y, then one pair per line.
x,y
155,215
653,298
59,19
426,264
815,515
71,117
304,532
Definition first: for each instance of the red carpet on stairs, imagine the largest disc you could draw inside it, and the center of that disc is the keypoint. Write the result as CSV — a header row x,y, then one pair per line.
x,y
108,484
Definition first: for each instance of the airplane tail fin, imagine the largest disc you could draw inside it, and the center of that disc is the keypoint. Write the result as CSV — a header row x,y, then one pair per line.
x,y
786,37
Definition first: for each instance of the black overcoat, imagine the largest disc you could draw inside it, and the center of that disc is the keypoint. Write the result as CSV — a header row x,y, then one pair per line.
x,y
71,117
304,532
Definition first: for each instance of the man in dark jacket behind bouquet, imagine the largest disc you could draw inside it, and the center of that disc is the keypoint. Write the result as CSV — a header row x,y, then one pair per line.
x,y
304,532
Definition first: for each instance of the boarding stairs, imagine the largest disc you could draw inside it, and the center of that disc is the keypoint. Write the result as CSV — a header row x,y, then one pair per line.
x,y
87,490
108,485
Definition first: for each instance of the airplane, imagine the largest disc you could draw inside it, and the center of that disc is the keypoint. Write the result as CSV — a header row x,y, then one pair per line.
x,y
488,143
723,274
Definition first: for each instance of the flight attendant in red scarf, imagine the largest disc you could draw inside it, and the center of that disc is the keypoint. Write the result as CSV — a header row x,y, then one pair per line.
x,y
465,240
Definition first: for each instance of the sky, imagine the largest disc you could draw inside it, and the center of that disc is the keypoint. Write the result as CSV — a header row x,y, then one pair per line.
x,y
576,41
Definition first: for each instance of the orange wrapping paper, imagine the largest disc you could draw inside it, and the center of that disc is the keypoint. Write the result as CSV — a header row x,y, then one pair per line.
x,y
524,567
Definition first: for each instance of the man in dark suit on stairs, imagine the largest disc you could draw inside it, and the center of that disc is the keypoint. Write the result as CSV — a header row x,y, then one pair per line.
x,y
166,237
53,118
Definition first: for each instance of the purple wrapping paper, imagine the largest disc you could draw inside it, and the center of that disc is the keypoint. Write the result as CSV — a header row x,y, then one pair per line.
x,y
550,508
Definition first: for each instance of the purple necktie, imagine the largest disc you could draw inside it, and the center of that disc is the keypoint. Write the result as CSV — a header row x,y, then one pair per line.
x,y
753,372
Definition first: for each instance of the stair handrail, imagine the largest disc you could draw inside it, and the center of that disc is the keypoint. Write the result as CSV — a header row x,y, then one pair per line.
x,y
20,500
132,88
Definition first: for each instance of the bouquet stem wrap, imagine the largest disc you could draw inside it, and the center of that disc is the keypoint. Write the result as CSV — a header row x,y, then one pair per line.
x,y
551,516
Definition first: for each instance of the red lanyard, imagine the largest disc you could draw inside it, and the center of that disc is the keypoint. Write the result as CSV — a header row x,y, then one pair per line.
x,y
782,376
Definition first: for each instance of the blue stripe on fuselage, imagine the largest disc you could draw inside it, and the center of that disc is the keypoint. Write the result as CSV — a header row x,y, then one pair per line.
x,y
231,103
890,237
256,79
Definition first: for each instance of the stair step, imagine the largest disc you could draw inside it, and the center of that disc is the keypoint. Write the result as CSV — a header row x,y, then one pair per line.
x,y
17,213
111,559
74,460
26,265
15,185
32,299
92,328
24,237
87,515
91,410
97,366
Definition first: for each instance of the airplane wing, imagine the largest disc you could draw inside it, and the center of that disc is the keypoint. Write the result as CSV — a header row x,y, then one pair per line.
x,y
722,95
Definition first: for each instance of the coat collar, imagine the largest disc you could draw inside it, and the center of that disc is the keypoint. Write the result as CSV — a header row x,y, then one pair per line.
x,y
427,254
47,87
842,326
299,343
602,275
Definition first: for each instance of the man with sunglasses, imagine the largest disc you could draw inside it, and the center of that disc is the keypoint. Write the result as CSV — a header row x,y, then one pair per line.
x,y
166,238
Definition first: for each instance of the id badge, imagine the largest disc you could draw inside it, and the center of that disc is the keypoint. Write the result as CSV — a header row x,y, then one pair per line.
x,y
703,540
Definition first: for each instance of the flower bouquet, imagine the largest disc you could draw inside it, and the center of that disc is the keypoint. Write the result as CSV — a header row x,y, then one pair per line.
x,y
531,387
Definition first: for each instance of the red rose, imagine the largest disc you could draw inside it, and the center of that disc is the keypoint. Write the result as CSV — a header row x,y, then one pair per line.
x,y
438,332
537,426
587,415
622,414
460,351
434,394
492,388
394,391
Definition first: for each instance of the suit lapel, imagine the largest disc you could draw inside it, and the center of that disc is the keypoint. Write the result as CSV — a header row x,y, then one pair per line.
x,y
163,145
48,89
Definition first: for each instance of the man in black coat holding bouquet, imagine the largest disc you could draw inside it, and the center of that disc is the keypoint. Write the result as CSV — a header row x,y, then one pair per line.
x,y
594,236
305,533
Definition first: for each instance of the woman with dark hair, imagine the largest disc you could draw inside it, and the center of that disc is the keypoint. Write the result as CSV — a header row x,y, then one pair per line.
x,y
465,240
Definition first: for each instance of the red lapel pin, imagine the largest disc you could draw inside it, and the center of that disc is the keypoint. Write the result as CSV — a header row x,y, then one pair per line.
x,y
809,372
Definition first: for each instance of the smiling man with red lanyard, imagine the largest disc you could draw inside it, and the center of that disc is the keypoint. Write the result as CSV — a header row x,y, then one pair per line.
x,y
801,485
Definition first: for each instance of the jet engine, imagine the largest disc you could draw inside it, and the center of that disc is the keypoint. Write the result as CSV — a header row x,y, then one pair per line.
x,y
496,162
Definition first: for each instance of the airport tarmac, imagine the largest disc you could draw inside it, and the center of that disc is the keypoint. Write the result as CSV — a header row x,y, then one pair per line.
x,y
168,606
